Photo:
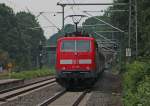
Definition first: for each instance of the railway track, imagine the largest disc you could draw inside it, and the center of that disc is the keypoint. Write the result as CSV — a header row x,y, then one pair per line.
x,y
16,91
65,98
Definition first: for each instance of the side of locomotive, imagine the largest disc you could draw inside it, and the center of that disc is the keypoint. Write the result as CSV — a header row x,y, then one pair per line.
x,y
77,60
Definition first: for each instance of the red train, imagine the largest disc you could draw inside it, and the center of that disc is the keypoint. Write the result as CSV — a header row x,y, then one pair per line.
x,y
78,61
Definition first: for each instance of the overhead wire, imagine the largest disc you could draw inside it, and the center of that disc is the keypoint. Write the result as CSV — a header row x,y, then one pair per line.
x,y
72,8
50,21
75,18
104,22
45,17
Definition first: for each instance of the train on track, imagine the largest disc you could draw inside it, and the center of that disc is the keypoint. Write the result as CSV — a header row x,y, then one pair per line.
x,y
79,60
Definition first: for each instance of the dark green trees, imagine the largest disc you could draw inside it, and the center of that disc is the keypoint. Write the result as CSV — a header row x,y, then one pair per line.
x,y
18,39
121,20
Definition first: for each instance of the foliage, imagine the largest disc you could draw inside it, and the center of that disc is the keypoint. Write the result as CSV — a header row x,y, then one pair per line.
x,y
120,19
136,84
144,26
97,26
18,39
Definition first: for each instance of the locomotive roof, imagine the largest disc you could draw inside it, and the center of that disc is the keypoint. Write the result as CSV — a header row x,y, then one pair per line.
x,y
76,38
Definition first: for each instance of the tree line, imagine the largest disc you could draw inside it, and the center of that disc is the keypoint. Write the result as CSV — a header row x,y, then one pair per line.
x,y
121,19
18,39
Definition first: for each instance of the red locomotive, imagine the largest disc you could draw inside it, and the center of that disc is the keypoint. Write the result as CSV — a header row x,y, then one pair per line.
x,y
78,59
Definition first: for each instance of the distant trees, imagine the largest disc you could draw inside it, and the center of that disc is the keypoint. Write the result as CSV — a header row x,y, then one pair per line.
x,y
144,27
18,39
67,29
121,19
97,26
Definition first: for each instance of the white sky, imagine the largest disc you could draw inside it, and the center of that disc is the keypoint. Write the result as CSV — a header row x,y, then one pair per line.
x,y
36,6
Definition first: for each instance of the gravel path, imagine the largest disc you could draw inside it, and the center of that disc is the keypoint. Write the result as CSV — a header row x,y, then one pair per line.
x,y
107,91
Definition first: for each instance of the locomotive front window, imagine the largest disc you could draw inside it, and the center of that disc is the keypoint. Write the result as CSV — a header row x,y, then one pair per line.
x,y
83,45
68,45
75,45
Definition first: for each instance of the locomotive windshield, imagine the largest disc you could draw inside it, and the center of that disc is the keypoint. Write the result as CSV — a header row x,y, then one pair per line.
x,y
83,45
76,45
68,45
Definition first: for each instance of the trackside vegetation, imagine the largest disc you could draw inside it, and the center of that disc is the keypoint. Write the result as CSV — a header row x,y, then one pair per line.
x,y
136,74
136,84
30,73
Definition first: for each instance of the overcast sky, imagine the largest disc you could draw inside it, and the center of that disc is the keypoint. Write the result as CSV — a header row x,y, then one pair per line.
x,y
50,6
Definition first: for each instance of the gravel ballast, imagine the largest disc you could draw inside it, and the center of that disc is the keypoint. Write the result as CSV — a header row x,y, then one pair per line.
x,y
107,91
33,98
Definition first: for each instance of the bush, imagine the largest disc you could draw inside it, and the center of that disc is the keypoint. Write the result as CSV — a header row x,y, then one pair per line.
x,y
144,92
136,84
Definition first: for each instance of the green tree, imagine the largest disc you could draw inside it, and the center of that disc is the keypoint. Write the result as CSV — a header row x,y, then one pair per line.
x,y
18,38
121,20
29,38
97,26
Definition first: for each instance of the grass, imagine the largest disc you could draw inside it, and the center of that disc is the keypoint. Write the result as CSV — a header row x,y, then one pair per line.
x,y
30,74
4,75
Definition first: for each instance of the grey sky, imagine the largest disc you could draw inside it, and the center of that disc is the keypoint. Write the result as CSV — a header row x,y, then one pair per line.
x,y
36,6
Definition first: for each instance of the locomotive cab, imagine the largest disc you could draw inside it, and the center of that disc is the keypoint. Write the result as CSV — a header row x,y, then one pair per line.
x,y
78,60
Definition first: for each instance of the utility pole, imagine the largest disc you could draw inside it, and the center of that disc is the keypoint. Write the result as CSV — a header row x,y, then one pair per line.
x,y
63,16
129,39
63,13
128,50
136,29
40,54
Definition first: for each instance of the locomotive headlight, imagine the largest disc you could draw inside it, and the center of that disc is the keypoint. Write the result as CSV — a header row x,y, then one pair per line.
x,y
63,68
88,68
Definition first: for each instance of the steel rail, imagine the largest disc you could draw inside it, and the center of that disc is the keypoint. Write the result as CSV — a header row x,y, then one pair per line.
x,y
60,94
52,99
21,90
22,86
77,102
